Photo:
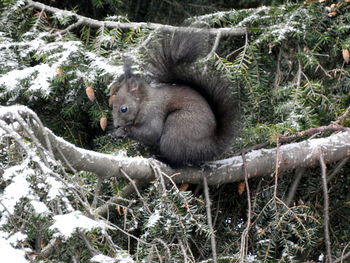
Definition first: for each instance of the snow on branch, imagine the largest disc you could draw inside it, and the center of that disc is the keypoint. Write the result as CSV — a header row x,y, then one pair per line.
x,y
82,20
258,163
33,183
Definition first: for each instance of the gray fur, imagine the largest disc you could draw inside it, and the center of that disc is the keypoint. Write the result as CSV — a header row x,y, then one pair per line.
x,y
192,116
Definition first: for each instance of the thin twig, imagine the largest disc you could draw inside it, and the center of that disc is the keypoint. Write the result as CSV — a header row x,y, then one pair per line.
x,y
244,50
97,192
298,174
336,170
128,190
91,249
343,256
244,238
132,182
44,132
70,28
300,68
215,46
18,117
65,160
343,117
210,222
278,75
325,207
278,157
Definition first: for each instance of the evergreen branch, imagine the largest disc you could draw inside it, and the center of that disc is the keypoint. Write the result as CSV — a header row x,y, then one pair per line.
x,y
258,163
342,258
93,23
128,190
71,27
333,127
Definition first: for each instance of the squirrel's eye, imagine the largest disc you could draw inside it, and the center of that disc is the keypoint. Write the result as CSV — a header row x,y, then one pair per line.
x,y
123,109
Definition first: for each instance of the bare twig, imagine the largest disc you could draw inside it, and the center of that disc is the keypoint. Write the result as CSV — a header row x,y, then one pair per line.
x,y
244,50
325,208
244,238
18,117
215,46
64,159
279,73
133,183
70,28
300,68
298,174
343,256
91,249
336,170
210,222
45,135
344,116
278,158
97,192
128,190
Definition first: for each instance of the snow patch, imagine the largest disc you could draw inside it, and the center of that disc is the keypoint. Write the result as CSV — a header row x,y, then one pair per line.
x,y
39,207
17,189
154,218
16,238
39,75
101,63
67,224
121,258
55,188
102,259
10,254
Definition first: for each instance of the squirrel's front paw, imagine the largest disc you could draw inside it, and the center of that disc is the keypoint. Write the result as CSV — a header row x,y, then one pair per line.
x,y
119,133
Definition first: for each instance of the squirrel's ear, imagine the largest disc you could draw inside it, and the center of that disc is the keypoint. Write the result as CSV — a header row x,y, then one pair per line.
x,y
111,100
135,87
114,88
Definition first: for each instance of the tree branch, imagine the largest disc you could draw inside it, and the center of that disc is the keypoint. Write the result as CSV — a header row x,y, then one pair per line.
x,y
82,20
258,163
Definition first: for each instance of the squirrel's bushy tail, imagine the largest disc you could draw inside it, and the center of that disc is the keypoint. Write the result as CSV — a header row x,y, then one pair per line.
x,y
172,61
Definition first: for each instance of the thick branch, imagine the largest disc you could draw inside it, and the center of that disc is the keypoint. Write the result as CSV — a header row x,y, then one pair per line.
x,y
131,25
258,163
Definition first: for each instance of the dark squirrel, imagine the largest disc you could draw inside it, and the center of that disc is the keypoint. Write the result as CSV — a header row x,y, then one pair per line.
x,y
190,114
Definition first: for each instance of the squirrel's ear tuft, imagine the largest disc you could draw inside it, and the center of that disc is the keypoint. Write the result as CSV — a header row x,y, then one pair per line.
x,y
135,87
127,70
